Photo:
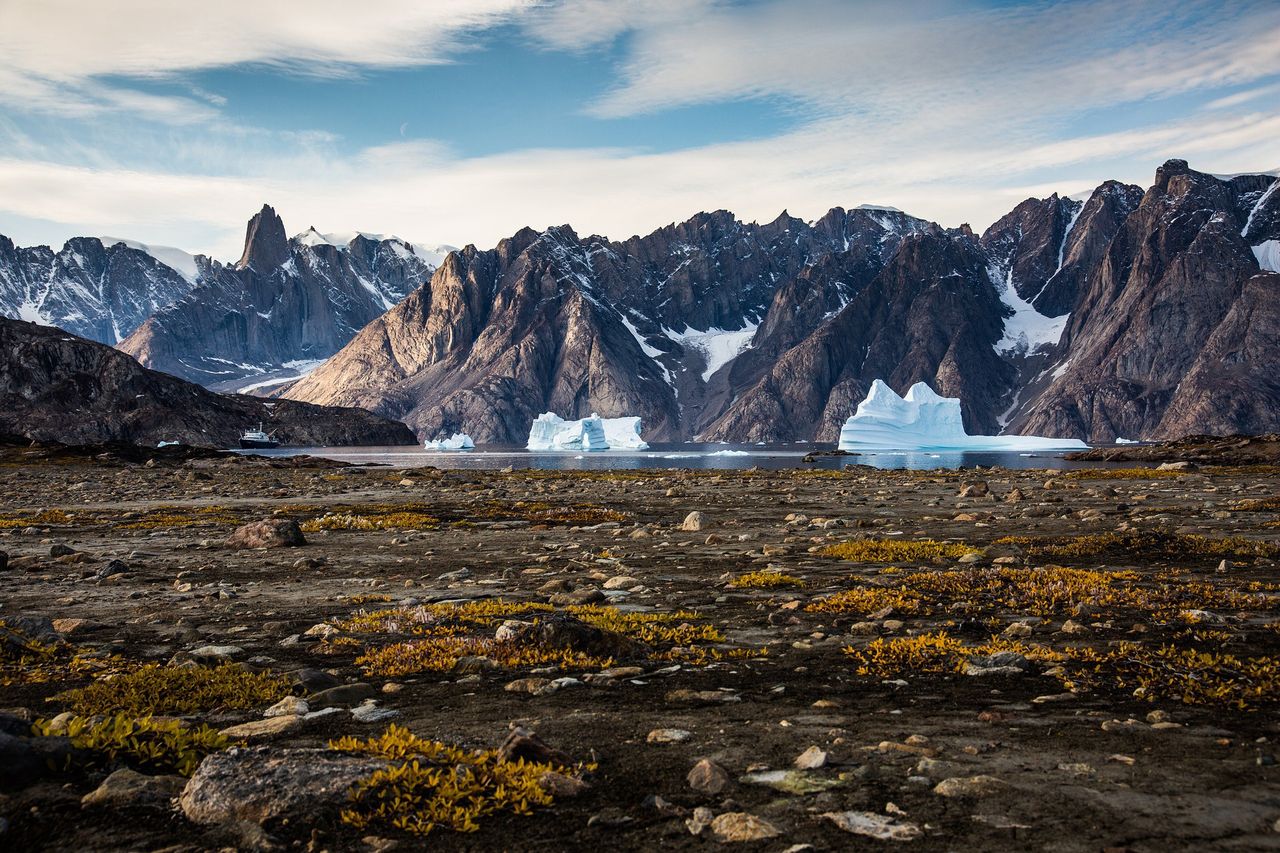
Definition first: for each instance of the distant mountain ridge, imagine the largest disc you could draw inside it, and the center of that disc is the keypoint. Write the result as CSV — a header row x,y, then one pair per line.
x,y
1130,312
286,304
1068,318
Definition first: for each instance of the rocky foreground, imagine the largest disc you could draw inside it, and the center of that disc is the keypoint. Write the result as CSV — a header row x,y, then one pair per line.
x,y
209,653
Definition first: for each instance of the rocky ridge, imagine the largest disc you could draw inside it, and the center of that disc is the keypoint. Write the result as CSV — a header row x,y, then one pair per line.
x,y
57,387
1070,318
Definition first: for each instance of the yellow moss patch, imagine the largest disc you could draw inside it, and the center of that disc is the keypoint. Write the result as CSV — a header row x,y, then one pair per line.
x,y
24,660
440,786
1122,474
153,746
867,600
766,580
153,689
935,654
43,517
895,550
1149,544
441,654
1190,676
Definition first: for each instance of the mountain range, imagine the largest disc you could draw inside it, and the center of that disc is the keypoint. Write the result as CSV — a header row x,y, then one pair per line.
x,y
1130,312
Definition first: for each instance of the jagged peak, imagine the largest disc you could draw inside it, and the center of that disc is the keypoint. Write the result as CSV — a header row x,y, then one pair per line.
x,y
266,245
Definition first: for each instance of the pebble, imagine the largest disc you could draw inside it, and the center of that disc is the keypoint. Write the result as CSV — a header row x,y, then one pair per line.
x,y
872,825
969,786
741,826
693,522
294,706
668,736
812,758
707,777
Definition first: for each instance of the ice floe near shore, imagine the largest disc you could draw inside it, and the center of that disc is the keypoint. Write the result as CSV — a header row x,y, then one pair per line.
x,y
552,432
924,420
457,441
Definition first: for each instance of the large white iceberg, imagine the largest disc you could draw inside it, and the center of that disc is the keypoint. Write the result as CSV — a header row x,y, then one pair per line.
x,y
552,432
923,420
457,441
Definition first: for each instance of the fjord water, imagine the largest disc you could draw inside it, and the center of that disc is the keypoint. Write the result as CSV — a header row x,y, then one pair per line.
x,y
662,455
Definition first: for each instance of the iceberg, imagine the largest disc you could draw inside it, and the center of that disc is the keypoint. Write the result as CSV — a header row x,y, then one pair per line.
x,y
552,432
924,420
457,441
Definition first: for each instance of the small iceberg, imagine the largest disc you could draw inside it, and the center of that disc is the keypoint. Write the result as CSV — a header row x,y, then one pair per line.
x,y
457,441
923,420
552,432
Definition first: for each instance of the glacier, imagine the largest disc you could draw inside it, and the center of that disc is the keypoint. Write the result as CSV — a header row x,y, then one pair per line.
x,y
552,432
457,441
925,420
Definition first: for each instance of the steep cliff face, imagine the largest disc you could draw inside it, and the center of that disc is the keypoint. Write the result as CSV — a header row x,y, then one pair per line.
x,y
1169,334
553,321
58,387
99,290
930,315
286,304
1128,313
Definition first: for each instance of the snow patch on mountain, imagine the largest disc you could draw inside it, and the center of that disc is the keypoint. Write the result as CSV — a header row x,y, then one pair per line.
x,y
183,263
1026,330
718,346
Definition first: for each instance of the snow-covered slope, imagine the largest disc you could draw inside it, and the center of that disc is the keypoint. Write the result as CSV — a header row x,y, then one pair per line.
x,y
98,289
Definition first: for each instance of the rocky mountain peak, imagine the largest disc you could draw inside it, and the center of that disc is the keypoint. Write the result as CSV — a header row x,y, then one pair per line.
x,y
266,246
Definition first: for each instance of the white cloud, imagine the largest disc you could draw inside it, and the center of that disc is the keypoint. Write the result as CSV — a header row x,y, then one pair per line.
x,y
54,52
423,192
945,109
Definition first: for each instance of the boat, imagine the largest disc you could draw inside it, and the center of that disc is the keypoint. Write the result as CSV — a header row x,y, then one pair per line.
x,y
256,439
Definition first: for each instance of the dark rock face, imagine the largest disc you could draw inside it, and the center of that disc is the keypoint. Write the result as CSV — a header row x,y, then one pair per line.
x,y
930,315
57,387
1163,322
284,303
1176,329
574,325
101,292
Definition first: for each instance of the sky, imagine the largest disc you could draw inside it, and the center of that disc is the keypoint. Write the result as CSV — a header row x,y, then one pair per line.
x,y
462,121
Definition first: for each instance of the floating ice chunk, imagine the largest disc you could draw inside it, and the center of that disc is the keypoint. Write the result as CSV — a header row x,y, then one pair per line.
x,y
730,453
1127,440
457,441
551,432
923,420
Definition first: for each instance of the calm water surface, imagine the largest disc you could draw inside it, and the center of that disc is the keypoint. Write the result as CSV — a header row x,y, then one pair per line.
x,y
775,456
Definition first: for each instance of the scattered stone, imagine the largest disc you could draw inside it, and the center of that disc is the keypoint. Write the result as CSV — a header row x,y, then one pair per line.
x,y
268,533
289,706
60,550
127,787
872,825
701,819
796,782
740,826
669,736
215,654
969,786
812,758
344,695
693,522
701,697
369,712
263,783
523,743
707,777
112,568
264,729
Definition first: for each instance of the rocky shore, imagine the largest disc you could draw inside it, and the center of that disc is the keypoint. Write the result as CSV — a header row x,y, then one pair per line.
x,y
206,652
